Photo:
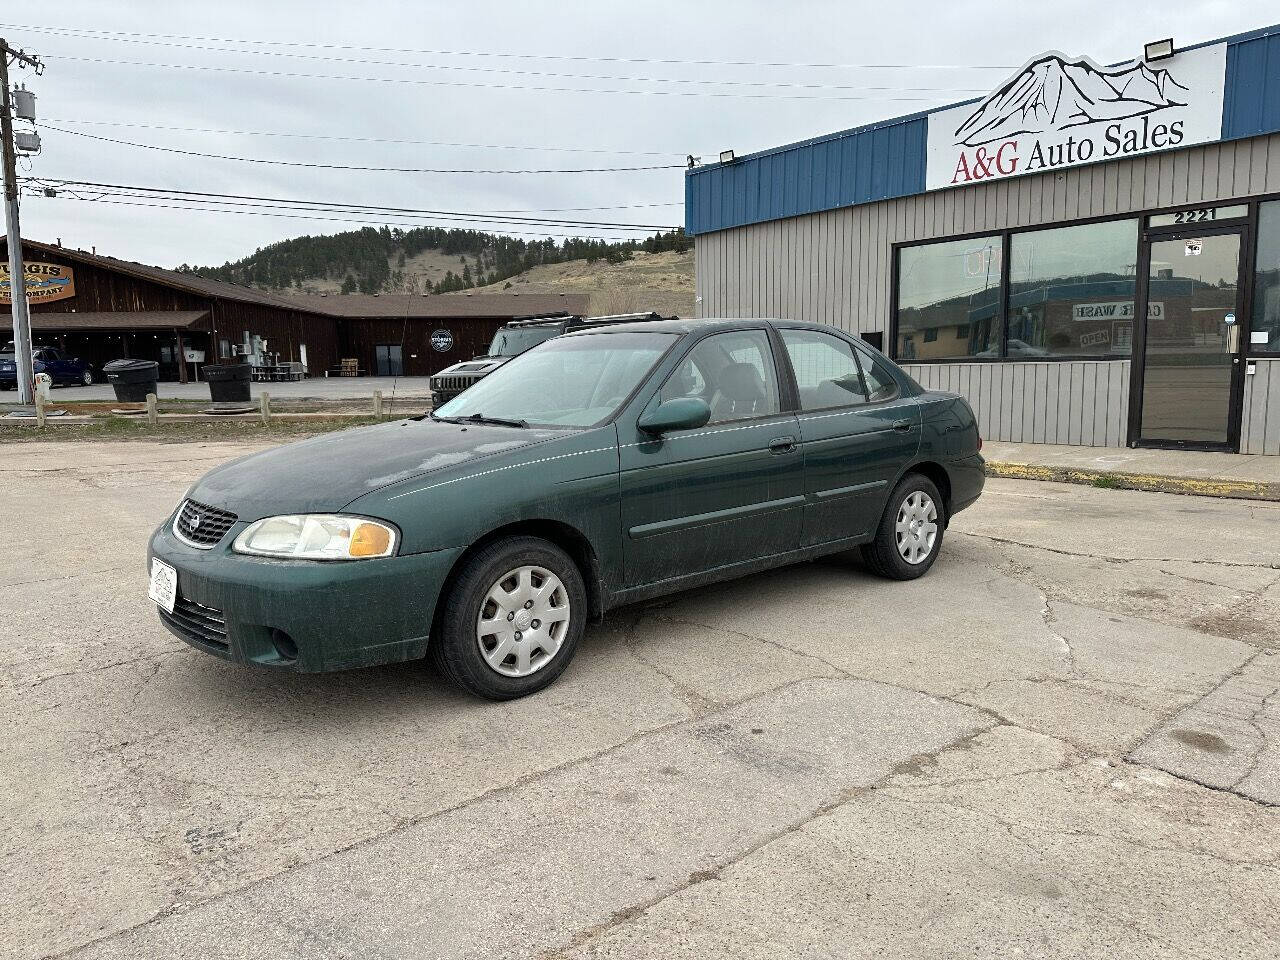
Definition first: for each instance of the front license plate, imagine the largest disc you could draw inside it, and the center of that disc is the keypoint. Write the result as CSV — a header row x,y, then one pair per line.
x,y
164,584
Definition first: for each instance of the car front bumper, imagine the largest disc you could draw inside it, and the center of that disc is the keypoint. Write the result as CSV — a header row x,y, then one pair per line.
x,y
333,615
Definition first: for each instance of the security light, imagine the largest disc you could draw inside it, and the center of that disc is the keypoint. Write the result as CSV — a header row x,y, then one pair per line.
x,y
1158,50
726,156
693,161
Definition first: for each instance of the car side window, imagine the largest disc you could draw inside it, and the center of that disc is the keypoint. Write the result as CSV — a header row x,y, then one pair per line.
x,y
880,382
733,372
826,372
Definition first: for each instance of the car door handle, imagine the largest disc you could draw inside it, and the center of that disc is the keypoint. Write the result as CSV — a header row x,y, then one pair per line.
x,y
782,444
902,426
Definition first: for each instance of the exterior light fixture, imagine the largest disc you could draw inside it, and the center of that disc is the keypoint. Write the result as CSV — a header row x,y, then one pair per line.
x,y
726,156
693,161
1158,50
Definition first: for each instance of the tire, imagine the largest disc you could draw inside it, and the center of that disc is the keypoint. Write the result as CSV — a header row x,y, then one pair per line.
x,y
916,501
493,664
86,378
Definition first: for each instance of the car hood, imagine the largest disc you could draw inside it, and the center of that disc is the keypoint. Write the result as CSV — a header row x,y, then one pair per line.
x,y
325,473
478,365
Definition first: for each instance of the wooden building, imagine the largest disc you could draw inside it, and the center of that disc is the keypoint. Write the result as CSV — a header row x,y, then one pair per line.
x,y
99,308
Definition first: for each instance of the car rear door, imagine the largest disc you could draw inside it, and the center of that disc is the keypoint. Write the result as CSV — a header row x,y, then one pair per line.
x,y
697,500
857,432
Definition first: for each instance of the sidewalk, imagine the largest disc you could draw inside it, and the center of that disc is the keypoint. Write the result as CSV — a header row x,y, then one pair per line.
x,y
1166,471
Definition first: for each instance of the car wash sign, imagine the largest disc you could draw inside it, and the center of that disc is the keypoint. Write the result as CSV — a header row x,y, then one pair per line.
x,y
1060,111
44,282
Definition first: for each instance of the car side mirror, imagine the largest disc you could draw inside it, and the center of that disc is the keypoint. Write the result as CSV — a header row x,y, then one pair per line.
x,y
683,413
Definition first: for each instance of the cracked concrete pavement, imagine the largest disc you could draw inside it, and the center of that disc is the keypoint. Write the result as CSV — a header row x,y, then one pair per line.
x,y
1063,742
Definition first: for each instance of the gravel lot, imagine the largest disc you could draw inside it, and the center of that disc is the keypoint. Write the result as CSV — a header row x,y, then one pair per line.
x,y
1063,742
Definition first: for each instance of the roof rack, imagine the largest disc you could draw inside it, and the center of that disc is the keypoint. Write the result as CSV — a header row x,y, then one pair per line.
x,y
558,317
628,318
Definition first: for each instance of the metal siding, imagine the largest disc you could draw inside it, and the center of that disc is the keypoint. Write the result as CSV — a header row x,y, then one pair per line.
x,y
858,166
1251,93
1041,402
1260,429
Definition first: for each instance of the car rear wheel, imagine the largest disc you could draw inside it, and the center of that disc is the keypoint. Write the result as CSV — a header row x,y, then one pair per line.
x,y
910,532
87,378
512,619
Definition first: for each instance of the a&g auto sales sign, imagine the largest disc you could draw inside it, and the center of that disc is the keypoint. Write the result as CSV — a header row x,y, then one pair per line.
x,y
1060,111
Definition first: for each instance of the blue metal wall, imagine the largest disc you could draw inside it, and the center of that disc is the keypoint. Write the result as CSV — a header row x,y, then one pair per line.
x,y
887,159
856,166
1251,96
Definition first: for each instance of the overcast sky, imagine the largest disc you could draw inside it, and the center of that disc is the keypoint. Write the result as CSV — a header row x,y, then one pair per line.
x,y
76,93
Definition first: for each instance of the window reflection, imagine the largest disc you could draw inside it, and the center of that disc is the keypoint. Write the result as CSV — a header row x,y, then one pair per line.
x,y
1266,285
949,299
1071,291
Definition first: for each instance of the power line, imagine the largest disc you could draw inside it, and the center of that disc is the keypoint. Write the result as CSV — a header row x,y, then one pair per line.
x,y
60,181
333,206
489,86
150,38
295,216
513,71
348,139
342,166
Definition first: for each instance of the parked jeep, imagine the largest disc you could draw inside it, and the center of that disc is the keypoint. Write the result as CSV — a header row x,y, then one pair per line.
x,y
515,338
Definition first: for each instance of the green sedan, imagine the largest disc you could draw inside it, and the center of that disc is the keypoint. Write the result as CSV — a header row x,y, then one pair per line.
x,y
601,468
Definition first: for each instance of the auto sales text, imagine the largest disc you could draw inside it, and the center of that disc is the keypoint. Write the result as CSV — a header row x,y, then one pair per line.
x,y
1117,140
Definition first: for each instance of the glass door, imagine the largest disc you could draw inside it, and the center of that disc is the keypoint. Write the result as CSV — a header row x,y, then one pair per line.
x,y
388,360
1188,360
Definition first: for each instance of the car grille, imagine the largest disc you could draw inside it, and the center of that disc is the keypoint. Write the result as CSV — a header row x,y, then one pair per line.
x,y
452,384
201,525
197,623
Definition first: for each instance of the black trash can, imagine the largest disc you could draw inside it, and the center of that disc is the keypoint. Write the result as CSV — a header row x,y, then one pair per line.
x,y
132,380
228,382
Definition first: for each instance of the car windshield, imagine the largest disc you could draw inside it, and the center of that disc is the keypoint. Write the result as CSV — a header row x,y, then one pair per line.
x,y
512,343
574,381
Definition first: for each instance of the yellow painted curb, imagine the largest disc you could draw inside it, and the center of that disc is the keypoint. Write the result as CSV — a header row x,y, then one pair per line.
x,y
1194,486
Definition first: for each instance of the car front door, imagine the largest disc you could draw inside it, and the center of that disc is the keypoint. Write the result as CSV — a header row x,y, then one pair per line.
x,y
727,493
857,433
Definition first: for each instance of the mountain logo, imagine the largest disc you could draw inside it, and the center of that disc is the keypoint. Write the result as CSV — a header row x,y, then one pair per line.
x,y
1055,92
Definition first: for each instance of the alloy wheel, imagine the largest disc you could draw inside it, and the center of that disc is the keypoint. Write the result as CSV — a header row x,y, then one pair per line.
x,y
523,620
916,529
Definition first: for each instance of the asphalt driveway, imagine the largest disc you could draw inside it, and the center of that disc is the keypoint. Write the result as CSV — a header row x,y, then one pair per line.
x,y
1063,742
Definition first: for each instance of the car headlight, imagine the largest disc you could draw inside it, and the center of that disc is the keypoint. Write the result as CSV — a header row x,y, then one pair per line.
x,y
317,536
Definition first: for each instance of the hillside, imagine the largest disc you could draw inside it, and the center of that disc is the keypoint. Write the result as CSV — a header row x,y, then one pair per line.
x,y
649,281
440,260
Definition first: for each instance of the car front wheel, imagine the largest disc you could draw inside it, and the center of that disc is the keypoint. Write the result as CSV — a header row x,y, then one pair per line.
x,y
910,532
512,619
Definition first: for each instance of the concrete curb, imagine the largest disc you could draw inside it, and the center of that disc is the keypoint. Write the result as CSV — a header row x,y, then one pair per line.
x,y
1158,483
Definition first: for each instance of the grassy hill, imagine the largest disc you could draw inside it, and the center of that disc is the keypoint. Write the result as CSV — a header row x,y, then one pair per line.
x,y
655,273
648,281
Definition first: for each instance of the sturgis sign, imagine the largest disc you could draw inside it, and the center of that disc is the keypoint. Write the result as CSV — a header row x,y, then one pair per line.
x,y
44,281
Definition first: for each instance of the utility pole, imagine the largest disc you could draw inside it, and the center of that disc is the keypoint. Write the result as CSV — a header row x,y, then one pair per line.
x,y
17,279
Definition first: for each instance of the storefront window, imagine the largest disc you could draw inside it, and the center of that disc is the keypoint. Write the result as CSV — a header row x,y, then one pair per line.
x,y
1265,333
949,300
1071,291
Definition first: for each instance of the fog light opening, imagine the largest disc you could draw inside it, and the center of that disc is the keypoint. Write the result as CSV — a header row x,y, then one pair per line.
x,y
284,644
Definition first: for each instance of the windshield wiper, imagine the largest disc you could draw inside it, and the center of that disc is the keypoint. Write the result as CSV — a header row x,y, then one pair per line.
x,y
498,421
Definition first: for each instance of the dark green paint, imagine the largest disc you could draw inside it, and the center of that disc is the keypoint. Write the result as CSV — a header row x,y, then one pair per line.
x,y
682,413
644,515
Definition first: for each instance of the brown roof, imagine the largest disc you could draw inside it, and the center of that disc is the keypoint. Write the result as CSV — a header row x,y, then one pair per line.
x,y
117,320
189,282
496,305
